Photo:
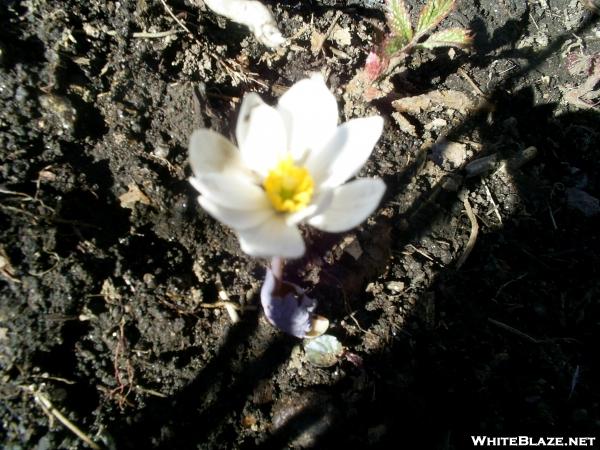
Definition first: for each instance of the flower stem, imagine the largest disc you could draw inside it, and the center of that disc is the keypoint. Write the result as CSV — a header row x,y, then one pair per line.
x,y
277,269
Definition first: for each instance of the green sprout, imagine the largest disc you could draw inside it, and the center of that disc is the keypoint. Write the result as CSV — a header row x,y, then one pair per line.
x,y
404,38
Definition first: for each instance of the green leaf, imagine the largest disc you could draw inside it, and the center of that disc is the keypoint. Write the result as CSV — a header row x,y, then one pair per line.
x,y
323,351
398,20
393,45
452,37
433,13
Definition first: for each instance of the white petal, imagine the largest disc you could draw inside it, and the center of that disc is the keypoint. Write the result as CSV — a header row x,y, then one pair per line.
x,y
272,238
211,152
352,203
236,218
254,15
346,152
231,192
310,114
321,201
260,134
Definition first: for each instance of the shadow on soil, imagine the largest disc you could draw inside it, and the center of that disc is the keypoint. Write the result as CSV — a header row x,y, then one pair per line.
x,y
419,385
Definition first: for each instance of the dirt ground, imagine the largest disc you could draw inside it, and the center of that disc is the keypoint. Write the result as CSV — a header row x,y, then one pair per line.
x,y
471,296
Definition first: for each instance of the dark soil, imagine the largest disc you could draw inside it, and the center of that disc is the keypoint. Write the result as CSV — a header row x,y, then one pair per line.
x,y
105,304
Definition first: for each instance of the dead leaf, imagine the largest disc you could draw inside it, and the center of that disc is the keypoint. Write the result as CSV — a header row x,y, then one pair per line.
x,y
6,268
404,124
351,246
586,95
577,63
46,175
132,196
316,41
449,99
435,124
109,292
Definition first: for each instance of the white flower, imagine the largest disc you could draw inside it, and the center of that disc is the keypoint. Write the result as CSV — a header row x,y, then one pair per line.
x,y
291,167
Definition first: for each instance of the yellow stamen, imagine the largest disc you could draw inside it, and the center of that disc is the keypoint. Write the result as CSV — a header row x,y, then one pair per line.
x,y
288,187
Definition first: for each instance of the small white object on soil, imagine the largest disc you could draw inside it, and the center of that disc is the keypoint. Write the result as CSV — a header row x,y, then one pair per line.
x,y
435,124
342,36
318,326
254,15
323,351
395,286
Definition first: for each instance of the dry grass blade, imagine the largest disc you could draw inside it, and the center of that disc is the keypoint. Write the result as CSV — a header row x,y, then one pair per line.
x,y
472,236
514,331
49,409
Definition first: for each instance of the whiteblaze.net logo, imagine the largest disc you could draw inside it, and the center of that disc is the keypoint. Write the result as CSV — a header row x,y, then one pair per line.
x,y
528,441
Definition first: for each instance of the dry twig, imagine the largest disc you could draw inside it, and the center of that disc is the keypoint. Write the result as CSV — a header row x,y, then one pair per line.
x,y
491,199
123,389
469,80
501,288
154,35
421,252
319,47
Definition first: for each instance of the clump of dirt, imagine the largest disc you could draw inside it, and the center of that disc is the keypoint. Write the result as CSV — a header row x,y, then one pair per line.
x,y
471,296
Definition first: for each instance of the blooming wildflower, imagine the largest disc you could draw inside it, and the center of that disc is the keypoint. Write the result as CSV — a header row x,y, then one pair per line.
x,y
291,167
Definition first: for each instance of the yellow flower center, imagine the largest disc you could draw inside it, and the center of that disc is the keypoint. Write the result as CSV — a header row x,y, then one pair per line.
x,y
288,187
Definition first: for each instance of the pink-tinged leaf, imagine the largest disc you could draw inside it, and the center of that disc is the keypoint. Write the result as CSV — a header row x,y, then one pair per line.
x,y
578,63
354,359
374,66
398,20
433,13
452,37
